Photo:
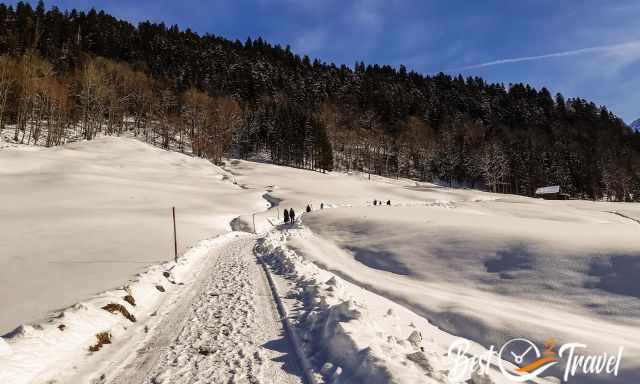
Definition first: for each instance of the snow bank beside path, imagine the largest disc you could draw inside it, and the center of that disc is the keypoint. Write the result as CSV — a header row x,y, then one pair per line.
x,y
59,348
354,336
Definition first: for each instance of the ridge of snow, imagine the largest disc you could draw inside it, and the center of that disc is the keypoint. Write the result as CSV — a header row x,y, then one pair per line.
x,y
352,335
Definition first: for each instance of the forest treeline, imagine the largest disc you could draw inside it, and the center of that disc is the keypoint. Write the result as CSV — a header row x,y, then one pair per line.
x,y
71,74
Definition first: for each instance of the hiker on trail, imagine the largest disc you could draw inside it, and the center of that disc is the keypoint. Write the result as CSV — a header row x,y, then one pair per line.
x,y
286,216
308,208
375,202
388,202
321,205
292,215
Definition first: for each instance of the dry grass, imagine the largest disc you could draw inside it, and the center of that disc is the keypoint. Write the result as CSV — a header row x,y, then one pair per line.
x,y
113,308
129,299
103,338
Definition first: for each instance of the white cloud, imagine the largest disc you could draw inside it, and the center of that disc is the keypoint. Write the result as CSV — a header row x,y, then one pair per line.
x,y
311,41
624,50
367,13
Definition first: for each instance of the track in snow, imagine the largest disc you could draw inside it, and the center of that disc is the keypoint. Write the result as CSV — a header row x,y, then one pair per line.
x,y
228,332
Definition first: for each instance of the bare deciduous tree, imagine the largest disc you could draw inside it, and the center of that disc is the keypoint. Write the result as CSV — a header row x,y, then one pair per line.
x,y
227,119
493,165
93,97
8,68
196,115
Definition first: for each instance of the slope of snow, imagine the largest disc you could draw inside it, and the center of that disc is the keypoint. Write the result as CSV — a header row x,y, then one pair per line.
x,y
492,271
635,125
85,217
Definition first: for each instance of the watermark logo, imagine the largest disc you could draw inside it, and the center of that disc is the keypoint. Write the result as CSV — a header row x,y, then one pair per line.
x,y
521,360
527,356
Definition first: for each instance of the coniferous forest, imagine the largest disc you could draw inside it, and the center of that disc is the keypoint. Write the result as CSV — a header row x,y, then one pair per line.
x,y
67,75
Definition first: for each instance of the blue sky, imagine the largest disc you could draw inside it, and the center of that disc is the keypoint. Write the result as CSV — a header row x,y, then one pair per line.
x,y
586,48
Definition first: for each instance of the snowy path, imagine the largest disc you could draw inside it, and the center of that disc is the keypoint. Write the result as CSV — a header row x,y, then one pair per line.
x,y
228,332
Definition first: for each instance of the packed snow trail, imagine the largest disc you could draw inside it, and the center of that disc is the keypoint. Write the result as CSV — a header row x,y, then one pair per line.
x,y
229,332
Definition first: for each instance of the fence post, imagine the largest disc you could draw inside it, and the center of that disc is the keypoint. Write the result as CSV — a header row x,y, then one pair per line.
x,y
254,223
175,238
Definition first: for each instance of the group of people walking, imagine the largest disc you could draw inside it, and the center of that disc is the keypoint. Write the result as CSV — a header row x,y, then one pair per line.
x,y
290,214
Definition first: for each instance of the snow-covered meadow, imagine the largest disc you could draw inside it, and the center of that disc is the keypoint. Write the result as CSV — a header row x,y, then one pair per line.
x,y
491,277
85,217
482,266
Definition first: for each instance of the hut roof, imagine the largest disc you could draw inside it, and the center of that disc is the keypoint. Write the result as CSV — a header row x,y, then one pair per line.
x,y
548,190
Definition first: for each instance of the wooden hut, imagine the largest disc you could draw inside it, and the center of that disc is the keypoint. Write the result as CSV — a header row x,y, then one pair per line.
x,y
551,193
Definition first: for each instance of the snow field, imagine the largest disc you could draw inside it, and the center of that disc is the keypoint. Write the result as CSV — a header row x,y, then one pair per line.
x,y
286,187
85,217
484,266
493,271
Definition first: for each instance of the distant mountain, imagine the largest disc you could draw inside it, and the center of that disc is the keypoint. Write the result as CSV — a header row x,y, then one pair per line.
x,y
635,125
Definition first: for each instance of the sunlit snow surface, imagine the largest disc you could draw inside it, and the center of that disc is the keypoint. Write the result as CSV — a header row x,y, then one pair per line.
x,y
83,218
484,266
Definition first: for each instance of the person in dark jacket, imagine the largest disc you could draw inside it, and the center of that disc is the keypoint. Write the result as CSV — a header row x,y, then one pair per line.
x,y
286,216
308,208
388,202
375,202
292,215
321,205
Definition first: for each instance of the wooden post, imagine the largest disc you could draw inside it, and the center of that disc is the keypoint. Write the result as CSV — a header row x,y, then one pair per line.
x,y
175,238
254,223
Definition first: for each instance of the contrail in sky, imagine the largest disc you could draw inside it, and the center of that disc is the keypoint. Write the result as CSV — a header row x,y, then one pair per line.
x,y
581,51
